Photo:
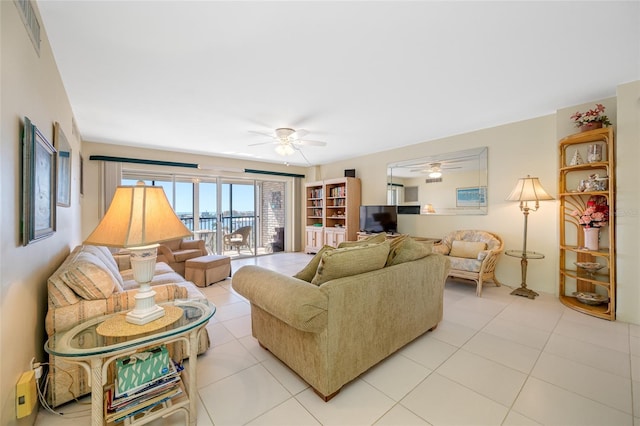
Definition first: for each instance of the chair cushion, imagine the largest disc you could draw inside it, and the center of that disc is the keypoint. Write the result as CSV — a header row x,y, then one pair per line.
x,y
349,261
308,272
184,255
465,264
467,249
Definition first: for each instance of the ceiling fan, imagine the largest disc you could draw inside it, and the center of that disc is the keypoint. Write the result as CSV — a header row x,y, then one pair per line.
x,y
434,169
288,140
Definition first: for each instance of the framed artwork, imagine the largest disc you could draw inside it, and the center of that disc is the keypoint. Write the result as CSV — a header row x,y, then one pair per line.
x,y
474,196
81,175
38,185
64,166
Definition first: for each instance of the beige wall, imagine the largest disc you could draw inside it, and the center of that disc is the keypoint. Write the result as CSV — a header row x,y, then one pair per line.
x,y
515,150
31,86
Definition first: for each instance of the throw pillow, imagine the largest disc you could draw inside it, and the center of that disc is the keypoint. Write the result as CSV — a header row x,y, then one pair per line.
x,y
467,249
394,245
410,250
372,239
308,272
349,261
88,277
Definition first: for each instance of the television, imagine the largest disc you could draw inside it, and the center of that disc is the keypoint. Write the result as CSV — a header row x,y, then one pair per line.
x,y
375,219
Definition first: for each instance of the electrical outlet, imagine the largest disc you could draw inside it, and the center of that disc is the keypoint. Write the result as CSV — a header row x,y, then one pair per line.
x,y
26,396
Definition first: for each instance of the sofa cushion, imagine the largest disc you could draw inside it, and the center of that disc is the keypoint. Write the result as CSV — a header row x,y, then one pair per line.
x,y
308,272
408,251
88,276
467,249
349,261
371,239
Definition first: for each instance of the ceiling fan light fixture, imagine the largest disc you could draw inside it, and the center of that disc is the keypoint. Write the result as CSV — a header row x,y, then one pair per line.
x,y
435,174
285,149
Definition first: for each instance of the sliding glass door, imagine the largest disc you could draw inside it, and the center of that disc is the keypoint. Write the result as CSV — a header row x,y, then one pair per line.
x,y
235,217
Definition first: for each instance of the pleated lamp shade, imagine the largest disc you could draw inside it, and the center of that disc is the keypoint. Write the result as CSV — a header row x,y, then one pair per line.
x,y
528,189
138,216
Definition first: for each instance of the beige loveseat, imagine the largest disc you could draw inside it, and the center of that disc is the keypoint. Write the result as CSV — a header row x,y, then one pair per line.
x,y
332,332
92,282
473,254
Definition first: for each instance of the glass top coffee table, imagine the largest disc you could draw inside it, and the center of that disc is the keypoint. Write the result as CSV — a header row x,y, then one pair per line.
x,y
85,345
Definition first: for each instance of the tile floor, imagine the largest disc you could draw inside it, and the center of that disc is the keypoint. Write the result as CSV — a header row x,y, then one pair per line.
x,y
495,360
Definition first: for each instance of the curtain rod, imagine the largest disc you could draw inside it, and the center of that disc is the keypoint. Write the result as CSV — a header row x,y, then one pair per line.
x,y
179,164
142,161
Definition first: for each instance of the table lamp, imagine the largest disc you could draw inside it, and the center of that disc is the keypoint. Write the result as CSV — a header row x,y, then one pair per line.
x,y
139,218
527,189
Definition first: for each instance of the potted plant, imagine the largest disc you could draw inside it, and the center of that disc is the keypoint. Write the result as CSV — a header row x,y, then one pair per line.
x,y
592,119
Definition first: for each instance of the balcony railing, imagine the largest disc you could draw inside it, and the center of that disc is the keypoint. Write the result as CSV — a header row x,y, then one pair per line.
x,y
229,223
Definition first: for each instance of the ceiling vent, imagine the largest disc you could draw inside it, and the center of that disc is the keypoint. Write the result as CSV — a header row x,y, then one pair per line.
x,y
30,21
433,180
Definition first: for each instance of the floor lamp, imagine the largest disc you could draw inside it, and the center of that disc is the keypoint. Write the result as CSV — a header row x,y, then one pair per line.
x,y
139,218
527,189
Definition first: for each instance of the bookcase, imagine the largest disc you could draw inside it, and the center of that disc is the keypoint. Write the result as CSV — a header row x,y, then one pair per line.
x,y
587,181
332,212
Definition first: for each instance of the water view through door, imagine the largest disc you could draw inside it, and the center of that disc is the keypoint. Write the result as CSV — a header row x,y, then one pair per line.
x,y
234,217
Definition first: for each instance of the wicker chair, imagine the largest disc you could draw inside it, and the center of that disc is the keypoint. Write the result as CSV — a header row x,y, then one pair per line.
x,y
473,255
238,239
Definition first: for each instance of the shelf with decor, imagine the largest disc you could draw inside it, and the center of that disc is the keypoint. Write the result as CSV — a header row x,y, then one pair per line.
x,y
586,191
332,212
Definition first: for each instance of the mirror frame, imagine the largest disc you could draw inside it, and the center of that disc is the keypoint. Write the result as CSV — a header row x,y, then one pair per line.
x,y
469,196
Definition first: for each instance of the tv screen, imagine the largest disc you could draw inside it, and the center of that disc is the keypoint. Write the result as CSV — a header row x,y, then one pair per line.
x,y
375,219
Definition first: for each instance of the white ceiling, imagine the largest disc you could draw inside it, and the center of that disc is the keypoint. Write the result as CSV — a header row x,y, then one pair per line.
x,y
363,76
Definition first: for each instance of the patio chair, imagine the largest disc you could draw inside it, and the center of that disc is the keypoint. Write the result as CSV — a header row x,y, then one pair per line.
x,y
238,239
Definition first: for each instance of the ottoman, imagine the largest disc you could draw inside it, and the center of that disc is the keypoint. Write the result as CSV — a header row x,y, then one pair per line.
x,y
205,270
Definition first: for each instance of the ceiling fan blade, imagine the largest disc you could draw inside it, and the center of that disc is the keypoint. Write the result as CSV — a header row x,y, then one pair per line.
x,y
300,133
264,143
269,135
310,143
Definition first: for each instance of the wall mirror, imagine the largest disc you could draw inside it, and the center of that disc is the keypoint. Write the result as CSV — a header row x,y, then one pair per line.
x,y
453,183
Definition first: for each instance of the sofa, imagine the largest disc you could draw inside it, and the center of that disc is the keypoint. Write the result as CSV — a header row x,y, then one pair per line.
x,y
349,309
91,282
176,252
473,254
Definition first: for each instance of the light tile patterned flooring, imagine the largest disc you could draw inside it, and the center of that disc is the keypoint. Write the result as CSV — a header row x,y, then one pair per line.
x,y
494,360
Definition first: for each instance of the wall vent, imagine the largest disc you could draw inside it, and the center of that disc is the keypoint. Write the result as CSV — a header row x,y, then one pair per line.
x,y
30,20
433,180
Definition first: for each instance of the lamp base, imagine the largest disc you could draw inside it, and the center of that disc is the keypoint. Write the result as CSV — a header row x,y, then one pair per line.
x,y
524,292
143,261
141,318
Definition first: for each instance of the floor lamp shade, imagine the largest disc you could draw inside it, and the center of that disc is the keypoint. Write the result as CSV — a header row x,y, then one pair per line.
x,y
528,189
139,218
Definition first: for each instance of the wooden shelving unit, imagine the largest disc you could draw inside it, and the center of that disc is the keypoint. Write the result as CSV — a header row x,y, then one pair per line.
x,y
573,198
332,212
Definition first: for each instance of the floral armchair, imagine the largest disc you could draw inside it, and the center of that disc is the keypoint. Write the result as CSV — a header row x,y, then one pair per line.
x,y
473,255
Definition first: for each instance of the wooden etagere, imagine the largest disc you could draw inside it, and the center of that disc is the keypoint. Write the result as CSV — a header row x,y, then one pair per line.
x,y
332,212
574,197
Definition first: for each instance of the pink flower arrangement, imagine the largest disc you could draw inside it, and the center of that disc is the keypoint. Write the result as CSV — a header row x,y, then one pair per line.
x,y
592,116
590,218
